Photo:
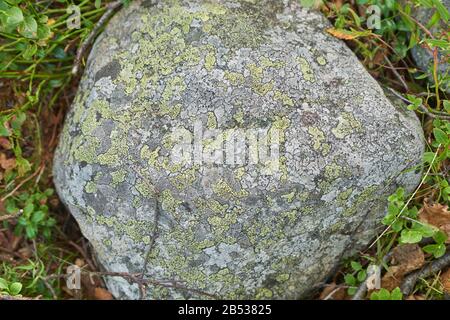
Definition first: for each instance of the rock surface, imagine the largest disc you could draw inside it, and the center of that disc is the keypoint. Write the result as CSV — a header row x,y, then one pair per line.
x,y
422,56
269,229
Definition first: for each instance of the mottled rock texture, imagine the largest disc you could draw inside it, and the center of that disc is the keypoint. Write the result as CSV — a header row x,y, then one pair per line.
x,y
232,231
423,56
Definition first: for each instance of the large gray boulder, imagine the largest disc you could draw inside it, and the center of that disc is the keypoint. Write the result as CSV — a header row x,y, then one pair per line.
x,y
142,182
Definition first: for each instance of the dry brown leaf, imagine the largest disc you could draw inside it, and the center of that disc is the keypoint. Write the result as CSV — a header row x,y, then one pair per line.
x,y
7,164
408,256
405,258
348,34
445,280
102,294
437,215
5,143
393,278
340,34
339,293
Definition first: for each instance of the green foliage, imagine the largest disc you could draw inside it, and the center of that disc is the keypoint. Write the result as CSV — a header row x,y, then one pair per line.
x,y
384,294
355,278
10,289
34,218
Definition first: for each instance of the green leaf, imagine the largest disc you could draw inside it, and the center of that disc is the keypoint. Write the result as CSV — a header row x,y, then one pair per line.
x,y
18,120
29,208
361,275
351,291
30,232
28,28
437,250
356,265
29,51
384,294
38,216
15,288
441,136
428,157
43,32
425,230
14,16
447,105
350,279
440,237
396,294
410,236
3,284
442,10
4,132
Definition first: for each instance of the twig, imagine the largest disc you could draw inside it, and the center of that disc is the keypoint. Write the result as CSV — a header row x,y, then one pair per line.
x,y
331,294
137,278
110,9
83,253
154,233
11,216
395,72
362,289
410,281
41,168
434,115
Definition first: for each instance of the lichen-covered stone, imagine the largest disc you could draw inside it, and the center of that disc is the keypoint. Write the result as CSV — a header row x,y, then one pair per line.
x,y
236,231
424,56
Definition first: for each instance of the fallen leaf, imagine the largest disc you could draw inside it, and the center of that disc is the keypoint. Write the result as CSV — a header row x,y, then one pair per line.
x,y
102,294
436,215
445,280
333,290
7,164
405,258
409,256
5,143
347,34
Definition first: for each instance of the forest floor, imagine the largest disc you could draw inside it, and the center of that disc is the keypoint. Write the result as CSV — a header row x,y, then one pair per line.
x,y
41,59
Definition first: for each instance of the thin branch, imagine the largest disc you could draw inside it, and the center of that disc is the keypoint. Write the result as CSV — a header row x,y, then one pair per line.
x,y
422,108
410,281
11,216
110,10
154,233
41,168
142,283
395,72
